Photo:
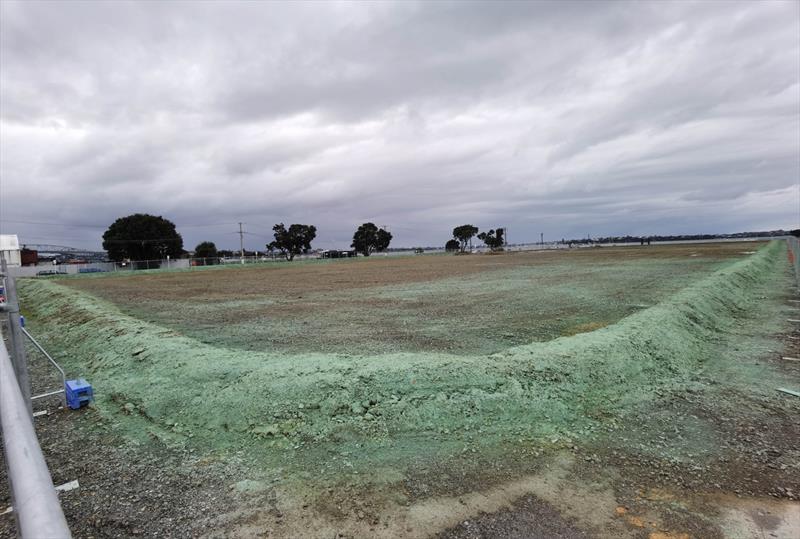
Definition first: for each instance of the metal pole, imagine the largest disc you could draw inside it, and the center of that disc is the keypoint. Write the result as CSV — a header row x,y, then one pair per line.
x,y
241,242
15,337
33,495
53,361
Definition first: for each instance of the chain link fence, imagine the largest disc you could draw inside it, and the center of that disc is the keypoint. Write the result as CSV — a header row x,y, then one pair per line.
x,y
135,265
273,258
794,255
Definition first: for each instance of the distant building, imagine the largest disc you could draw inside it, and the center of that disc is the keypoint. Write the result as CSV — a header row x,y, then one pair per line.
x,y
29,257
9,249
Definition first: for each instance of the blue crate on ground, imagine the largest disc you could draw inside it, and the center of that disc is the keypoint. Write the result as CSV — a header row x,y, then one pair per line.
x,y
79,393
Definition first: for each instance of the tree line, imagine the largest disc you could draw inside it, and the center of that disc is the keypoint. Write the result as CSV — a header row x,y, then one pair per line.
x,y
462,238
146,237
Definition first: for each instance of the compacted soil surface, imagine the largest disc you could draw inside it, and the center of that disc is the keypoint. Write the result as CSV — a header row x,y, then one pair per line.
x,y
457,304
663,421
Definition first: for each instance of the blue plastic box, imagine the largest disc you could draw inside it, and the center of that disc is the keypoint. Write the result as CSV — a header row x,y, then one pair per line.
x,y
79,393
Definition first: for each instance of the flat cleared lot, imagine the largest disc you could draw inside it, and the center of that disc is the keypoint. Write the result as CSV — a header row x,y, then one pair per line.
x,y
472,304
612,392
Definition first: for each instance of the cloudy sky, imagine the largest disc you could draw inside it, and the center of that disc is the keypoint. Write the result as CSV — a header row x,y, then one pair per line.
x,y
565,118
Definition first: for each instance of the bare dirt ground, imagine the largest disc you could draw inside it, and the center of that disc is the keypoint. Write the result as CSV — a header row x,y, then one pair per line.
x,y
713,458
125,490
338,275
456,304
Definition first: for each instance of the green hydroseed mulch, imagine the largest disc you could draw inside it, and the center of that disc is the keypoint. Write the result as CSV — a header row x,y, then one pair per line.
x,y
337,413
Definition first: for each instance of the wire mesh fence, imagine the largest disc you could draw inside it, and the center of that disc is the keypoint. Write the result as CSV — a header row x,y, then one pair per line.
x,y
272,258
156,264
794,255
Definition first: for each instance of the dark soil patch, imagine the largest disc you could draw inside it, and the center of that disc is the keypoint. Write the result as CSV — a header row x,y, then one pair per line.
x,y
528,518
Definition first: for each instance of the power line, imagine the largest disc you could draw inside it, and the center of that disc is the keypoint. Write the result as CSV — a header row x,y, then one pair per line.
x,y
254,234
198,225
52,224
100,227
260,225
143,240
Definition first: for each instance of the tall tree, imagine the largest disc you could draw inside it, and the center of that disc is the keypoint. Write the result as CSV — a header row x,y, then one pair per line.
x,y
464,234
493,239
368,238
294,241
452,245
142,237
206,249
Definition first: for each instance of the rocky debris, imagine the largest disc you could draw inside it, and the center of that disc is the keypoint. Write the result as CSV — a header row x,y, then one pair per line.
x,y
529,517
127,490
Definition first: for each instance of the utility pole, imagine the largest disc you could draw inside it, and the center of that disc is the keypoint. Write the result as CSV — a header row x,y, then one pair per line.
x,y
541,238
241,242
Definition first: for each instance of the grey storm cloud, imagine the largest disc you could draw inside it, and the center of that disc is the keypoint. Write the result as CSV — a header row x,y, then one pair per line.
x,y
567,118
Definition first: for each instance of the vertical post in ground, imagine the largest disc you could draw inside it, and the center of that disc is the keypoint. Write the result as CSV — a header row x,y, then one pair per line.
x,y
18,358
241,243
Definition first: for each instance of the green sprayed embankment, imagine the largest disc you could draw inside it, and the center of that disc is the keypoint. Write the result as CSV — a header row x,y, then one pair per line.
x,y
393,407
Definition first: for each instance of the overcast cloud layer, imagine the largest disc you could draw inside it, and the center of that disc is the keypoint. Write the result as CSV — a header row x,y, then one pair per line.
x,y
564,118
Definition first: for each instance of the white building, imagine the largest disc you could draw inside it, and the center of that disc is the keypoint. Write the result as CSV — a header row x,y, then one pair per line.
x,y
9,250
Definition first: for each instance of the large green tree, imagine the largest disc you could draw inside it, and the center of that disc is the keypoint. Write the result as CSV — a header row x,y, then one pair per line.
x,y
142,237
464,234
493,239
292,241
206,249
368,238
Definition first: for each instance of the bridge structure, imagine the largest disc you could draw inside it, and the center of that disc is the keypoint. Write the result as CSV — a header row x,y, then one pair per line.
x,y
63,251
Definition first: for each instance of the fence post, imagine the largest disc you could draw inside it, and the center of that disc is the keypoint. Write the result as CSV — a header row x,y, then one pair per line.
x,y
19,361
793,244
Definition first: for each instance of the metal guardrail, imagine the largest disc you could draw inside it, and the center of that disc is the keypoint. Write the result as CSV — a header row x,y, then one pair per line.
x,y
35,501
